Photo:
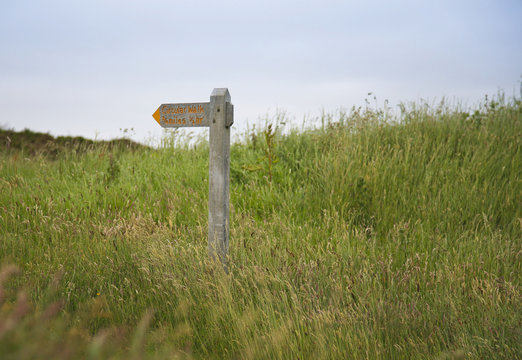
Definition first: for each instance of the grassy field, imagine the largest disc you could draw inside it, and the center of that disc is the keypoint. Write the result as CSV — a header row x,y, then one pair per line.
x,y
370,237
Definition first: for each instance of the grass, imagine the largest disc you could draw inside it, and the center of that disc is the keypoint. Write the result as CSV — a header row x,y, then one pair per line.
x,y
372,236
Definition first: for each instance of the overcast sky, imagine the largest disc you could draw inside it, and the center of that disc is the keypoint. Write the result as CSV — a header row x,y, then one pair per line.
x,y
92,67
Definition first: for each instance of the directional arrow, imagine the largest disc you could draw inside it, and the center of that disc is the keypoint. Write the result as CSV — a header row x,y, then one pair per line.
x,y
157,115
182,115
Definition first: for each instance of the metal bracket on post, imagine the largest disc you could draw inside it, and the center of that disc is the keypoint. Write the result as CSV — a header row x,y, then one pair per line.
x,y
230,115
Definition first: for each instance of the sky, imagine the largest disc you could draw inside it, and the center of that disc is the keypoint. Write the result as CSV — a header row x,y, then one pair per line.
x,y
93,67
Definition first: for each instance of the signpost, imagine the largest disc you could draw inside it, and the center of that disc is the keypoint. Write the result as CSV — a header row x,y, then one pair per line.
x,y
218,114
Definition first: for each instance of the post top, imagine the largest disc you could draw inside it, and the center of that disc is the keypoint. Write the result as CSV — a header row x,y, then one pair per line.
x,y
221,92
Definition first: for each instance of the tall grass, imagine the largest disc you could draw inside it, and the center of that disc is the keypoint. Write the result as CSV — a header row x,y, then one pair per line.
x,y
372,236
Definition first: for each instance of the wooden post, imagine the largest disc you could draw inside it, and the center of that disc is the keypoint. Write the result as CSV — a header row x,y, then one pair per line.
x,y
218,114
221,118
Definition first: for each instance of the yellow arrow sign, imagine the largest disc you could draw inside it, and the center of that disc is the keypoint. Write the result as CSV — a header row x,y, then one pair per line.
x,y
183,115
157,115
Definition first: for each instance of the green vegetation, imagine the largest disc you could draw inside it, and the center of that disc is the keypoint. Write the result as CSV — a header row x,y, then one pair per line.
x,y
372,237
32,143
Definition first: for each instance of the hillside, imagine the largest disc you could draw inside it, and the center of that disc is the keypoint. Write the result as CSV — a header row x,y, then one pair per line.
x,y
32,143
371,237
